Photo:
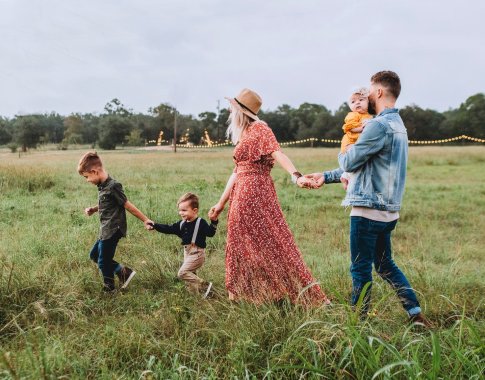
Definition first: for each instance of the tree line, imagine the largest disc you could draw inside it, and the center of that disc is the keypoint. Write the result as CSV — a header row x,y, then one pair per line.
x,y
120,126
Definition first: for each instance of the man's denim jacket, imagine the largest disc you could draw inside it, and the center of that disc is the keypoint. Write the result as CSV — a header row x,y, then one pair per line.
x,y
378,161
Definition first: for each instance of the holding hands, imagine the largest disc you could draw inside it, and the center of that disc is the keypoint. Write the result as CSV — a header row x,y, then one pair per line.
x,y
311,181
215,211
307,182
149,224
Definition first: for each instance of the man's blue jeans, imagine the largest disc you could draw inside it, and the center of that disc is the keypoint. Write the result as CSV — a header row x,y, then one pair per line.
x,y
370,243
102,253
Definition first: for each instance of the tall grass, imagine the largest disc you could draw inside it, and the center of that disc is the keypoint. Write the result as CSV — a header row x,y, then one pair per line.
x,y
56,323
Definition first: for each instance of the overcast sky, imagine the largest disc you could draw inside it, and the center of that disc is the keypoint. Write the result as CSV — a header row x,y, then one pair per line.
x,y
74,56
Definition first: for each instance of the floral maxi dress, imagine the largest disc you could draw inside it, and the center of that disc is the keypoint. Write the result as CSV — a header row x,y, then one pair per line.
x,y
263,262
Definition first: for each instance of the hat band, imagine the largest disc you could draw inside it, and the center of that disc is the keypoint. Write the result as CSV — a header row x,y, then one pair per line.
x,y
243,106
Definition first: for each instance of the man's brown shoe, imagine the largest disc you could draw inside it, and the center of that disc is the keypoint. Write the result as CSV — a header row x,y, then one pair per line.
x,y
420,320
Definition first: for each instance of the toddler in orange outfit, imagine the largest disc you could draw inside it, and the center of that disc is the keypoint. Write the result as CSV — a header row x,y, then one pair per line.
x,y
354,122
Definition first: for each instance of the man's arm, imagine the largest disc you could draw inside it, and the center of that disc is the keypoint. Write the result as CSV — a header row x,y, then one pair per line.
x,y
332,176
369,143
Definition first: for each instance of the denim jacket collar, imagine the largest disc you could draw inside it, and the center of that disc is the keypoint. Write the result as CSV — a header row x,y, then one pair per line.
x,y
388,110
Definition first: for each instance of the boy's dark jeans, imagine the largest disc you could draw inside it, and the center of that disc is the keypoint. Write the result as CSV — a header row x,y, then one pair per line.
x,y
370,242
102,253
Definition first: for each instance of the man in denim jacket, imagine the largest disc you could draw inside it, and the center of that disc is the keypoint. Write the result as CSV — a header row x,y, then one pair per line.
x,y
378,161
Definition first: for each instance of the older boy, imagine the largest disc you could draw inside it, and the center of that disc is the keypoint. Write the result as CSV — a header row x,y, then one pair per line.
x,y
112,203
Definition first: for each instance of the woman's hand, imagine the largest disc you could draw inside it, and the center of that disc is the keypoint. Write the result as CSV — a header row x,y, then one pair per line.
x,y
215,211
306,183
317,178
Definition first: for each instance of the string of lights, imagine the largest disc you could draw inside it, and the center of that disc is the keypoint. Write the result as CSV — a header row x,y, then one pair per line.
x,y
333,141
443,141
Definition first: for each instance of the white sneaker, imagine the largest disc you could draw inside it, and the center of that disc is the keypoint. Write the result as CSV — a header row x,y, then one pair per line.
x,y
207,292
126,275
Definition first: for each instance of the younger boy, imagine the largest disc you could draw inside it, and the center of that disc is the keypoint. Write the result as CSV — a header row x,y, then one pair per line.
x,y
112,203
193,232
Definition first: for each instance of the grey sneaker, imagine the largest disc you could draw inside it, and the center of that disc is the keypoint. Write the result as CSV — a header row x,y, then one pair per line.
x,y
125,275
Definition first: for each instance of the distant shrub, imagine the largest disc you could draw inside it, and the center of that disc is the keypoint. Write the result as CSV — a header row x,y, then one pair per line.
x,y
134,138
13,147
63,145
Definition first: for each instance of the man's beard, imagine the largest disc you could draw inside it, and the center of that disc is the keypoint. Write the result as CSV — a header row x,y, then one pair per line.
x,y
372,107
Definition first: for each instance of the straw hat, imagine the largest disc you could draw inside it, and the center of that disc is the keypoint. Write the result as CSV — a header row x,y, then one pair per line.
x,y
248,102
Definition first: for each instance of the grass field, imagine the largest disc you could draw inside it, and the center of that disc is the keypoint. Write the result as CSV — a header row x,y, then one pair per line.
x,y
56,323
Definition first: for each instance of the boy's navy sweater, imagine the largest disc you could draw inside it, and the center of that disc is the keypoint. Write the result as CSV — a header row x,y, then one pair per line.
x,y
187,230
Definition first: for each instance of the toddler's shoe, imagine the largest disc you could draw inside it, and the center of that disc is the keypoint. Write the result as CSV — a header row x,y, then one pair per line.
x,y
125,275
208,291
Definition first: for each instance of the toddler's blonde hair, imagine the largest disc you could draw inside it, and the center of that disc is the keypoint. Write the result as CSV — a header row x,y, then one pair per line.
x,y
362,91
194,199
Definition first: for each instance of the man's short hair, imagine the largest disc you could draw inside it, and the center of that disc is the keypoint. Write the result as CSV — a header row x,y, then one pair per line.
x,y
194,200
388,79
89,161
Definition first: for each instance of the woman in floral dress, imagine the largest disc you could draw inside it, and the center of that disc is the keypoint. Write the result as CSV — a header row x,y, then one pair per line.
x,y
263,263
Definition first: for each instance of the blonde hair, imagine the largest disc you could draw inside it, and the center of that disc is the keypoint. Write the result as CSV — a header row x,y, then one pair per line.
x,y
194,200
237,123
89,161
360,91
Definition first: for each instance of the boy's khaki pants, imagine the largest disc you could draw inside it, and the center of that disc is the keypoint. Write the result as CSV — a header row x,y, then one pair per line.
x,y
194,257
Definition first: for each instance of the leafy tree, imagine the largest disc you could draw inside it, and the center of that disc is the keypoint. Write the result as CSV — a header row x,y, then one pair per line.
x,y
468,119
164,115
115,107
28,130
148,126
312,120
113,130
422,124
280,122
74,126
52,127
90,130
5,135
134,138
222,124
